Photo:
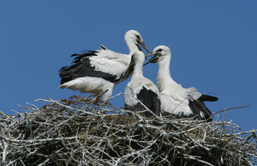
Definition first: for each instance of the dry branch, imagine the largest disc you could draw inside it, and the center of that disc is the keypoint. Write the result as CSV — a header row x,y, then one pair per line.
x,y
81,131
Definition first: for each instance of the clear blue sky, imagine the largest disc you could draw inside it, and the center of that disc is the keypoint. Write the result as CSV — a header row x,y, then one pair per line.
x,y
213,44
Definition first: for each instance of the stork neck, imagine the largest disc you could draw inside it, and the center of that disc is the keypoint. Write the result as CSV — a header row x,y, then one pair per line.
x,y
164,79
138,70
164,68
131,46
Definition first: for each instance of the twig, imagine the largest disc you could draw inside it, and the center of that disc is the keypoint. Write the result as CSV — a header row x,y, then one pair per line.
x,y
224,110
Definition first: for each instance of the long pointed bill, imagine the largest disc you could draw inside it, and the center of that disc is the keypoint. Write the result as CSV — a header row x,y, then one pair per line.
x,y
149,54
143,45
152,60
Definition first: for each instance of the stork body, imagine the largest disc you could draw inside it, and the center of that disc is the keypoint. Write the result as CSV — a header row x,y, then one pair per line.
x,y
99,71
141,90
176,100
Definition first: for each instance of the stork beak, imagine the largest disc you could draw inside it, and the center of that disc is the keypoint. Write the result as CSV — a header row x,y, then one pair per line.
x,y
149,54
153,59
143,45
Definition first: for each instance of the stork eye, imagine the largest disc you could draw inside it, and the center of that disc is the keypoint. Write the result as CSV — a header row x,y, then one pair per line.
x,y
138,37
160,50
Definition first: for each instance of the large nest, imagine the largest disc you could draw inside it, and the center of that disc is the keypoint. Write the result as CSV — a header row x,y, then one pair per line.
x,y
81,131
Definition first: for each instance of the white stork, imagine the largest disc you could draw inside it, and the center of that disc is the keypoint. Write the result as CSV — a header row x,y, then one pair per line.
x,y
99,71
175,99
140,88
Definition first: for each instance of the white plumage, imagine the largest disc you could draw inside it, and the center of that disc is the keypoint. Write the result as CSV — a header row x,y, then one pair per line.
x,y
175,99
140,88
100,70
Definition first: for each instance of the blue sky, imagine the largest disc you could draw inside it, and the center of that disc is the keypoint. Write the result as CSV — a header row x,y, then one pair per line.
x,y
214,47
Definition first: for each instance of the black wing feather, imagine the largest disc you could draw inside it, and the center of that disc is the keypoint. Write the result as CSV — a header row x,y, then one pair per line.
x,y
207,98
81,67
80,57
196,107
149,99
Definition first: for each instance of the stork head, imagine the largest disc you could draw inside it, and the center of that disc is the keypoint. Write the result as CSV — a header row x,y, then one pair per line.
x,y
161,53
134,37
138,57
